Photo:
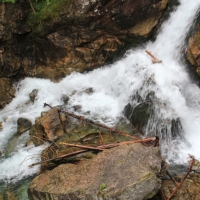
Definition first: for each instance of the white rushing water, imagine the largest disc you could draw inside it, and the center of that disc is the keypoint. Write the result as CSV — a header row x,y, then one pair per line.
x,y
114,85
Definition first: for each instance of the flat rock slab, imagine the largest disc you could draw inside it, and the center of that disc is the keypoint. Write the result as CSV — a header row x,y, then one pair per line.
x,y
127,172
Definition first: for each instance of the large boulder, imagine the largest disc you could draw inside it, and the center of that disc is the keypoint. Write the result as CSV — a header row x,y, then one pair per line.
x,y
124,172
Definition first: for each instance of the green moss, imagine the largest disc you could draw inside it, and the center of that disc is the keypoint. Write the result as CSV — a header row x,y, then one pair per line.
x,y
150,195
102,187
8,1
147,176
48,12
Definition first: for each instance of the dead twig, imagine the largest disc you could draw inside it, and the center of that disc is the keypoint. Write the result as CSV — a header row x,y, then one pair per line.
x,y
101,137
97,124
58,157
157,142
32,7
175,182
46,104
172,194
154,59
81,146
162,195
87,148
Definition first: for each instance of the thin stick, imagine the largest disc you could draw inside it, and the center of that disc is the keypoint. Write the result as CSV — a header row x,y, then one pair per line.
x,y
98,124
138,141
154,59
175,182
172,194
32,7
162,195
62,156
81,146
102,141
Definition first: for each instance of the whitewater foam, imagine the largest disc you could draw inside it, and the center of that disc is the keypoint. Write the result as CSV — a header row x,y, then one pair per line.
x,y
114,87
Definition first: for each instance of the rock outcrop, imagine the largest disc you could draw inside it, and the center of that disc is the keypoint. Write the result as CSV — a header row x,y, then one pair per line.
x,y
193,51
124,172
67,36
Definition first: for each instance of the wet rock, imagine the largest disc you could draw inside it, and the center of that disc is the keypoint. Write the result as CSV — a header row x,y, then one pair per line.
x,y
10,195
124,172
89,91
23,125
145,116
33,95
193,51
77,108
52,124
14,143
65,99
29,143
47,127
1,126
37,134
7,91
74,36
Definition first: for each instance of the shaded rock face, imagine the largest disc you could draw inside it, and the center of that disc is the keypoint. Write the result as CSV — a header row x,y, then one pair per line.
x,y
146,115
7,91
70,35
125,172
193,51
23,125
91,33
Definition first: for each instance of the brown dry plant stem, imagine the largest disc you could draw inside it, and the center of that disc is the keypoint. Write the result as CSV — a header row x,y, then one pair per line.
x,y
170,176
173,193
82,146
83,120
154,59
98,124
32,7
87,148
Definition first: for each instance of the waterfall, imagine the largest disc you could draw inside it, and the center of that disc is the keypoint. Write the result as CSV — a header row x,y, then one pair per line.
x,y
114,87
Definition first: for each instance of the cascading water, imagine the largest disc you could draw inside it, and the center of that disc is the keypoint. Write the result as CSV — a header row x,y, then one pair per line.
x,y
114,87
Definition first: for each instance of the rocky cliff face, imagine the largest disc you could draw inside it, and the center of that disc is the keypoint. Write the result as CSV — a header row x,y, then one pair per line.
x,y
67,36
193,51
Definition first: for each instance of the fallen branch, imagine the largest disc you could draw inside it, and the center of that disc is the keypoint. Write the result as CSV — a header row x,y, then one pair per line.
x,y
32,7
97,124
81,146
100,136
83,120
58,157
172,194
154,59
175,182
87,148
